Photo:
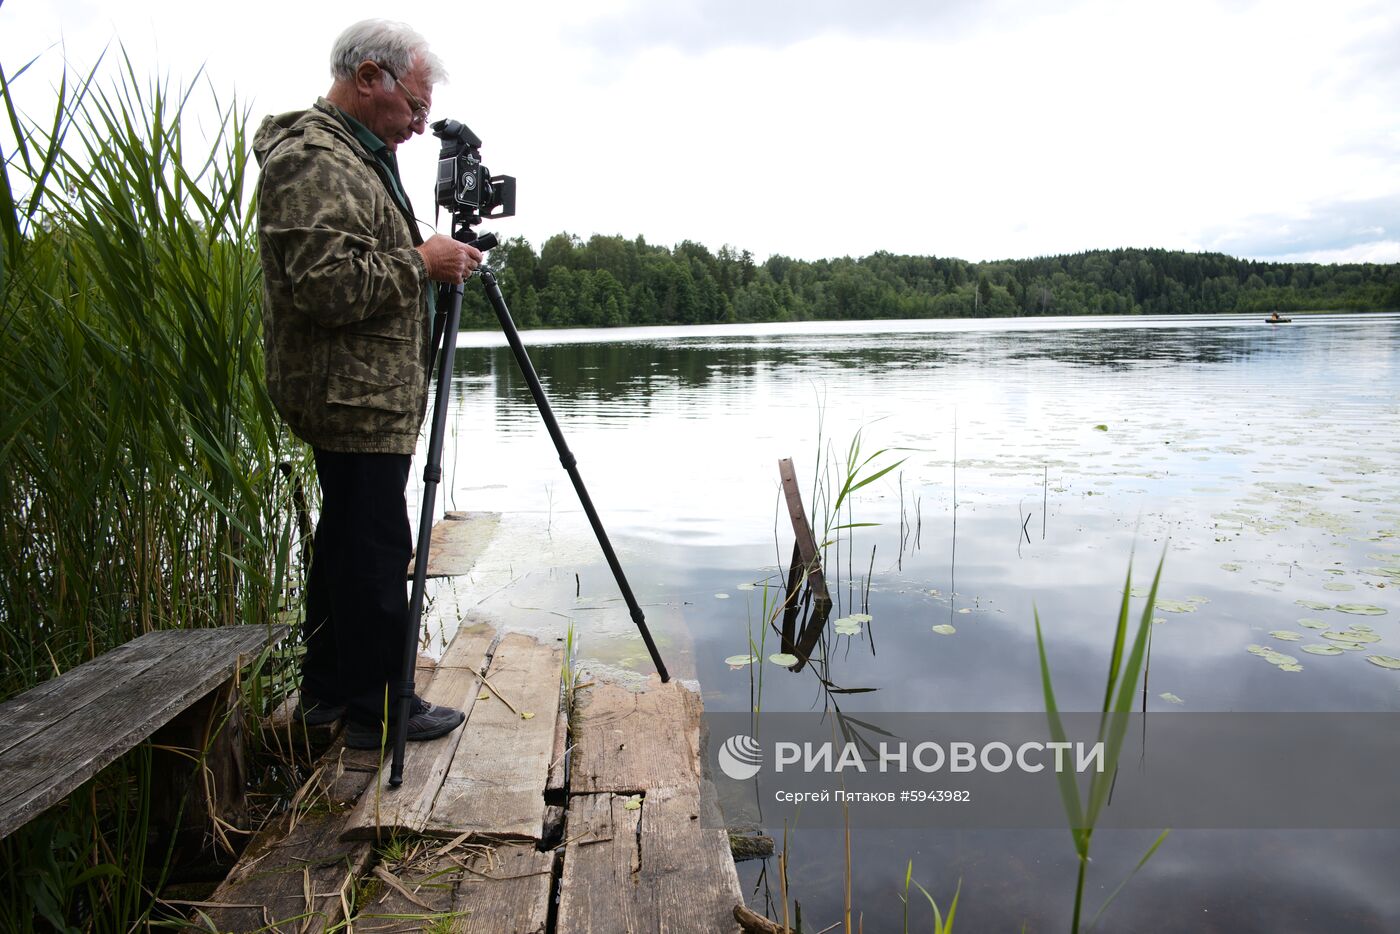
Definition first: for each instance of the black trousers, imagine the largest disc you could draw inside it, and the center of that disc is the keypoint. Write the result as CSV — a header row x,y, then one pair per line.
x,y
357,591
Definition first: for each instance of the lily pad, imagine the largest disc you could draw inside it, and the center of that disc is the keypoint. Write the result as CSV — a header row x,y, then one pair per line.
x,y
846,626
1360,609
739,661
1388,573
1322,650
1253,649
1313,604
1278,658
966,609
721,596
1290,667
1101,428
1171,698
1352,636
943,629
1229,566
860,617
1384,661
784,659
1338,585
1285,635
1311,623
1177,606
748,585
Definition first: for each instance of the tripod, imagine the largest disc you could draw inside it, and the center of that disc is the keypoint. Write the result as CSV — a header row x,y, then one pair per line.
x,y
445,327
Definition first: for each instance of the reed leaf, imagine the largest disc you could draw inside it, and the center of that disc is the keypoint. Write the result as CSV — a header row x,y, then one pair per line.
x,y
1124,674
138,446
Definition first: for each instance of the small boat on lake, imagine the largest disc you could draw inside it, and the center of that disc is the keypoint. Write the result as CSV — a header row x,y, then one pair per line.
x,y
1275,319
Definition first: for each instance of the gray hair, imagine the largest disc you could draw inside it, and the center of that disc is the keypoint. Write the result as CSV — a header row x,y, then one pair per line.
x,y
395,45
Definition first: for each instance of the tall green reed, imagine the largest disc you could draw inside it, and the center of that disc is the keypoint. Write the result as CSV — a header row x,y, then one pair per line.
x,y
1125,667
138,447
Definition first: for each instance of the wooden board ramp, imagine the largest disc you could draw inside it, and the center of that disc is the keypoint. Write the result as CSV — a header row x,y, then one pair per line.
x,y
472,840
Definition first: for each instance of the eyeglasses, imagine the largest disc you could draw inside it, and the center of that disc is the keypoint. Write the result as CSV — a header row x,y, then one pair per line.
x,y
420,109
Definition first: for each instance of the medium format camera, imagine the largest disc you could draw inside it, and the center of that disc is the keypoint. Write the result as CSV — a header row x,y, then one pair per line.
x,y
464,185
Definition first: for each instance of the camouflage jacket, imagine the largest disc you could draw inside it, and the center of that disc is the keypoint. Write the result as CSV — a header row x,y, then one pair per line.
x,y
345,314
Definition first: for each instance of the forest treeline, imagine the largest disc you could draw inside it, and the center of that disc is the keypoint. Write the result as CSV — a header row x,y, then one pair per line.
x,y
612,281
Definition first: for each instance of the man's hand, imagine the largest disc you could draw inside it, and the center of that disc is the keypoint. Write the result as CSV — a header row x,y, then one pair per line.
x,y
447,260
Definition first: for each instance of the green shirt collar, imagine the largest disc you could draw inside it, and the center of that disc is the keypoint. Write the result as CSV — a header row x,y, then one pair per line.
x,y
382,153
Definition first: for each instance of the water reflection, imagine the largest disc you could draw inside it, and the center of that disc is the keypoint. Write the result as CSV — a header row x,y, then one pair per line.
x,y
1263,462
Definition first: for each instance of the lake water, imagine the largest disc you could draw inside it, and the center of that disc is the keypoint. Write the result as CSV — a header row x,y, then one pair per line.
x,y
1262,463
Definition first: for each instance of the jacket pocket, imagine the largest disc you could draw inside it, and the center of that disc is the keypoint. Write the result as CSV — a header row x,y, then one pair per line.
x,y
373,371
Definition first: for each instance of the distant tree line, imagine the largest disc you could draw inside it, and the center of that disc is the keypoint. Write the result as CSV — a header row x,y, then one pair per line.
x,y
612,281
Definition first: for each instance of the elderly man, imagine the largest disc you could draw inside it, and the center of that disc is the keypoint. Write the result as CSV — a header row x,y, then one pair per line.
x,y
347,317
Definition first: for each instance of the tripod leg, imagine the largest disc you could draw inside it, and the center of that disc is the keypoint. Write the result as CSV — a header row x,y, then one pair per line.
x,y
498,302
432,476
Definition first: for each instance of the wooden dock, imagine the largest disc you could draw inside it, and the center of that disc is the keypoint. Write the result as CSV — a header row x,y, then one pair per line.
x,y
557,807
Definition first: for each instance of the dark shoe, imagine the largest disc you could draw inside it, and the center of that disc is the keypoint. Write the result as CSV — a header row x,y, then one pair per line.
x,y
426,721
313,712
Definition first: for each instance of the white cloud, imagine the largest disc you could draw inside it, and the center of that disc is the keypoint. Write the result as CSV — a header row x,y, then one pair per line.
x,y
977,130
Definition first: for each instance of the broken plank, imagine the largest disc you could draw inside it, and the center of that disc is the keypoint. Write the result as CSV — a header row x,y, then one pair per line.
x,y
630,741
506,892
806,542
648,868
383,808
457,540
496,782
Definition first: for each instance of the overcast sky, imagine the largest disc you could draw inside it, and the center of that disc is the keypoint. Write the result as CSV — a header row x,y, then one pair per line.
x,y
983,129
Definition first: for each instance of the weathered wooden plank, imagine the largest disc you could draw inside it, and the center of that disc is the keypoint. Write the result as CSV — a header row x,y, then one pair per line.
x,y
806,568
687,870
506,892
495,784
28,713
66,750
631,741
383,809
649,869
599,862
802,531
457,540
296,869
294,873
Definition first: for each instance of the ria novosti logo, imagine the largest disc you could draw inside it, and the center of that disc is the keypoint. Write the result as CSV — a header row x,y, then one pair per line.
x,y
741,757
